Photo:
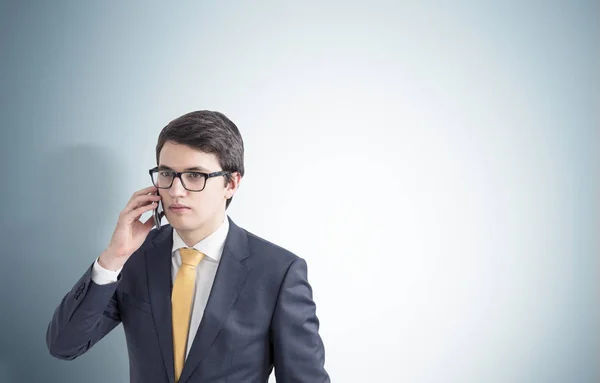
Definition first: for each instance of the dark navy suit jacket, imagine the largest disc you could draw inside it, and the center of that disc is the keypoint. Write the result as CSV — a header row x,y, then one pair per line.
x,y
260,314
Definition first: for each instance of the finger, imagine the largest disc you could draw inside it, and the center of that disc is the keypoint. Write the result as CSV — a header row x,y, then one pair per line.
x,y
135,204
135,214
149,189
144,200
145,191
138,217
141,200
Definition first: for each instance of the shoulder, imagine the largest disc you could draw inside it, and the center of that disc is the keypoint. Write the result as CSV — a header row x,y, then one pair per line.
x,y
266,254
261,247
271,265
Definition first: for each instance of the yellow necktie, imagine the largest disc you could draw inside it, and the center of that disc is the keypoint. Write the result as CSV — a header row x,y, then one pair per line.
x,y
181,302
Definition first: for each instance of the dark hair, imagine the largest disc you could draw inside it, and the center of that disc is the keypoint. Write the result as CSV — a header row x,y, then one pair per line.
x,y
209,132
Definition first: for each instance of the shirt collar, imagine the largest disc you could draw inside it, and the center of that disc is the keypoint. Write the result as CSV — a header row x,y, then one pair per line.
x,y
212,246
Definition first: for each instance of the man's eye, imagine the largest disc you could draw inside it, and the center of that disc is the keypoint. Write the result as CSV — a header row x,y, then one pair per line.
x,y
195,175
165,174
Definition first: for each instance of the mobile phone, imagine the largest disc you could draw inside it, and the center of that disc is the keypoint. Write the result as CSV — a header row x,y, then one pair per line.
x,y
158,213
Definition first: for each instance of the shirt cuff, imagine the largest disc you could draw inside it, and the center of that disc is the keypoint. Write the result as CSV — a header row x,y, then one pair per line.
x,y
102,276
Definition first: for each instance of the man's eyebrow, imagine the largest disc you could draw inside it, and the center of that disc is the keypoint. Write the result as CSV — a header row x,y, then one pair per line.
x,y
193,168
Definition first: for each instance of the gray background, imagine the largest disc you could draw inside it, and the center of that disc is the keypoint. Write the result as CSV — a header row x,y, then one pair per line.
x,y
435,163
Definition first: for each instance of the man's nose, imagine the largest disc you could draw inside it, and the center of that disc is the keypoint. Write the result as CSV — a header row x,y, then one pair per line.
x,y
177,188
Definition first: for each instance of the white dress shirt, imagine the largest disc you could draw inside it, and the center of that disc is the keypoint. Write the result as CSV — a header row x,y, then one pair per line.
x,y
211,246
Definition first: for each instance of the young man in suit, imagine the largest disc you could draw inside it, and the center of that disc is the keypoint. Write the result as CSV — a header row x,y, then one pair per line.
x,y
200,299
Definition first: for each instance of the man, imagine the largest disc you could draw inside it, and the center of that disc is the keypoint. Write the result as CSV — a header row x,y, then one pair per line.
x,y
200,299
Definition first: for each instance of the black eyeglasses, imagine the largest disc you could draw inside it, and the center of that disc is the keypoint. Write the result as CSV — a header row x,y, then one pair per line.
x,y
192,181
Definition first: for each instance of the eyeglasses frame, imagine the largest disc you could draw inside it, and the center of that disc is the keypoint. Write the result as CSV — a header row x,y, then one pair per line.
x,y
179,174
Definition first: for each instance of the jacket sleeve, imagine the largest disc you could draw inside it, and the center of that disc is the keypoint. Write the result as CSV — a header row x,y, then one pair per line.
x,y
298,351
85,315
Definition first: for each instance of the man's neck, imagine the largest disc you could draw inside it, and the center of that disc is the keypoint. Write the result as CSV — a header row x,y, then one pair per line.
x,y
193,237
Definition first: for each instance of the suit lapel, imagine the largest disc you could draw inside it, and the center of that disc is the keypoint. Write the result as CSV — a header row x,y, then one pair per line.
x,y
229,280
158,262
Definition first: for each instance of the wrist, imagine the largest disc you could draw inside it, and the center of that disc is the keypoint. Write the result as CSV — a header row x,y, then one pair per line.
x,y
110,262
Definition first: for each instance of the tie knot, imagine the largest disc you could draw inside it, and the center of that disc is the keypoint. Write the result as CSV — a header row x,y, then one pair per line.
x,y
191,257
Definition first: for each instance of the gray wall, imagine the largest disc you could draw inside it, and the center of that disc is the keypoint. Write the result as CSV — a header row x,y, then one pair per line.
x,y
436,164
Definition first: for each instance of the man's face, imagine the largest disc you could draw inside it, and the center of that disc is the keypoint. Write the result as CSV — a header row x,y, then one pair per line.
x,y
203,210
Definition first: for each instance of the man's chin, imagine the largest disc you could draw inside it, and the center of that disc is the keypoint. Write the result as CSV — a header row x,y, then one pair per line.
x,y
182,224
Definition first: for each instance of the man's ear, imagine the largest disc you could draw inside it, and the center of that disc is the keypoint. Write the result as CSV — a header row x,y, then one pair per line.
x,y
233,185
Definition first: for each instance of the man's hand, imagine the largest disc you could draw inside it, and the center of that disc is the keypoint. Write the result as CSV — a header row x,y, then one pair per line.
x,y
130,232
